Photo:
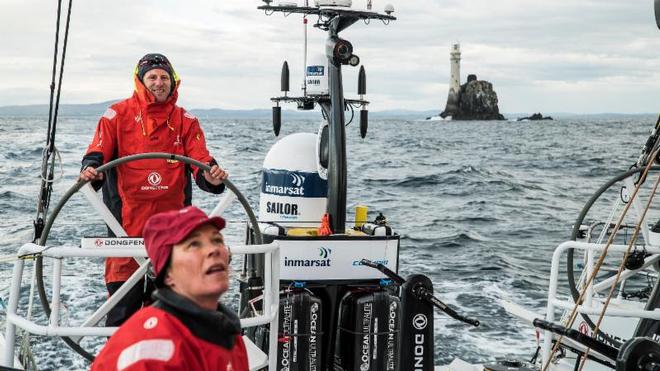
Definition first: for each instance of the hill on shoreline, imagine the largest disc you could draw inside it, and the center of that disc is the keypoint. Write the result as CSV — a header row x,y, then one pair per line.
x,y
97,109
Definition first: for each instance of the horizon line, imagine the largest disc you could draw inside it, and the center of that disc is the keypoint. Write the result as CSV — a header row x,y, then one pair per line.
x,y
19,106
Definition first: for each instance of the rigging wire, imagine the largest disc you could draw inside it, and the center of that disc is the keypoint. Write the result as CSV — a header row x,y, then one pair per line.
x,y
52,82
59,84
601,260
48,160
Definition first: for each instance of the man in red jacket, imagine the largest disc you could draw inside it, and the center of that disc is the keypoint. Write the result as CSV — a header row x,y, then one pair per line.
x,y
186,328
149,121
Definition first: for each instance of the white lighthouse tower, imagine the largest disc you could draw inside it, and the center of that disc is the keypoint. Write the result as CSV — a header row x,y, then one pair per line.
x,y
454,81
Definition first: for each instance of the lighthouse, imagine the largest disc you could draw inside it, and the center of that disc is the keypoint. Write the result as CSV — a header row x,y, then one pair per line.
x,y
454,80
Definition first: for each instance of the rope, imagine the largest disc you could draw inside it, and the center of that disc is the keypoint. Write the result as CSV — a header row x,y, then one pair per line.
x,y
610,240
59,158
623,262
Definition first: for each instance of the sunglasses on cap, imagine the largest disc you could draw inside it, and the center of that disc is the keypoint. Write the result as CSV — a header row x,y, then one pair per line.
x,y
154,60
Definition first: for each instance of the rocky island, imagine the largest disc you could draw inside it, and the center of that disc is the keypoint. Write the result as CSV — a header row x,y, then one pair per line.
x,y
535,117
474,100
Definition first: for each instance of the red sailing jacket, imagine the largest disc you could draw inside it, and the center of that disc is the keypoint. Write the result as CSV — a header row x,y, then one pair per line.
x,y
139,189
175,334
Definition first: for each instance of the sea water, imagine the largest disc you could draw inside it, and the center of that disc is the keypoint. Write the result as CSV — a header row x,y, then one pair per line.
x,y
480,207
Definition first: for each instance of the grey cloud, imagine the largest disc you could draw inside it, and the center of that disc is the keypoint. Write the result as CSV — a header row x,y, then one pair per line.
x,y
558,53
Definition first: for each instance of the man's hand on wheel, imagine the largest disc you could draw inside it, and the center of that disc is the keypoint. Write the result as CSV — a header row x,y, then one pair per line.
x,y
90,173
216,175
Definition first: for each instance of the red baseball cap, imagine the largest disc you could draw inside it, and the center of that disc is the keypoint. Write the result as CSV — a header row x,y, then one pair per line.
x,y
163,230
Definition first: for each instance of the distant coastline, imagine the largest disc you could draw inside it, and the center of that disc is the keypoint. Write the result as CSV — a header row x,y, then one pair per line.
x,y
97,109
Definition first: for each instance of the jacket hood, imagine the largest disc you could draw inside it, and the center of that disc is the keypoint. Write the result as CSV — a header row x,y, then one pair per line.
x,y
147,99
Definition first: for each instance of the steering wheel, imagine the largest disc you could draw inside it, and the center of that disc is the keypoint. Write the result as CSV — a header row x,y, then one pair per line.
x,y
102,169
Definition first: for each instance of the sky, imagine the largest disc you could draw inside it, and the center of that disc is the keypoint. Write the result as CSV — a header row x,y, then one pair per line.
x,y
580,56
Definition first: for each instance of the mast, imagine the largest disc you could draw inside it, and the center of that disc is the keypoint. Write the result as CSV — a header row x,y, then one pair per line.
x,y
337,168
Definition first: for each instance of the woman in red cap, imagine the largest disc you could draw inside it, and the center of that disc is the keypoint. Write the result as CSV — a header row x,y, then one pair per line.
x,y
149,121
186,328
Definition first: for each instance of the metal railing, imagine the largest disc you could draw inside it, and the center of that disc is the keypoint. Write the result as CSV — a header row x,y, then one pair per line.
x,y
554,302
15,320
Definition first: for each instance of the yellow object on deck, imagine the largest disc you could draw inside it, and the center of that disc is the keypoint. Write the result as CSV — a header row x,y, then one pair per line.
x,y
353,232
302,232
314,232
360,215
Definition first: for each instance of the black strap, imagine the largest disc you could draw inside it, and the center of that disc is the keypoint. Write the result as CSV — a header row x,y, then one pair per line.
x,y
59,84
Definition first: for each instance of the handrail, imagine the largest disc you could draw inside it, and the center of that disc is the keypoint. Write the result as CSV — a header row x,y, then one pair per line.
x,y
14,320
555,302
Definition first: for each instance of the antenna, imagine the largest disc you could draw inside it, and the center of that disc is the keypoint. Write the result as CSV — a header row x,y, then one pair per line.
x,y
284,80
364,113
304,89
